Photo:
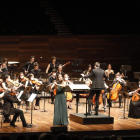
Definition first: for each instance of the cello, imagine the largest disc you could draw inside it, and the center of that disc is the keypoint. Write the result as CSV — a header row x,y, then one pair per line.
x,y
100,97
114,93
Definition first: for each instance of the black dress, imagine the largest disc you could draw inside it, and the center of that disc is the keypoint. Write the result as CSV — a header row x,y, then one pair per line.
x,y
134,109
52,67
60,108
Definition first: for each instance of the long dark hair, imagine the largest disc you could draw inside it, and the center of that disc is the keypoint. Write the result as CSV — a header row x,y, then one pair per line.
x,y
87,70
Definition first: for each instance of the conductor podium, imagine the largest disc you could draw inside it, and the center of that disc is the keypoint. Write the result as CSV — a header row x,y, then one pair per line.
x,y
83,118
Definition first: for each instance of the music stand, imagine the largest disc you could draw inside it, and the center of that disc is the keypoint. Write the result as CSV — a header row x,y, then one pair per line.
x,y
31,99
76,63
12,69
124,95
43,89
125,68
137,75
111,76
26,91
103,66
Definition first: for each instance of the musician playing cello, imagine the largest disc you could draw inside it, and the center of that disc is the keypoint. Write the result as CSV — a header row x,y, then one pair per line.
x,y
121,81
29,65
36,70
97,85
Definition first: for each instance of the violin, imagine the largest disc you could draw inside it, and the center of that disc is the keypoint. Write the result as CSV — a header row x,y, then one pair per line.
x,y
36,82
136,96
24,79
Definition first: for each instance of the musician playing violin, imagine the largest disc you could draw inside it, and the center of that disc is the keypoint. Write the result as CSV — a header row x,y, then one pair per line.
x,y
52,65
121,81
51,79
36,69
31,82
29,65
66,79
8,108
3,68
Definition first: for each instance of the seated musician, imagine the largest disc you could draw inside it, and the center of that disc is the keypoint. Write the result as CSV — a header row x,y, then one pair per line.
x,y
86,72
121,81
3,68
134,108
8,108
109,70
5,81
60,71
36,69
5,60
66,79
51,79
33,83
28,66
52,65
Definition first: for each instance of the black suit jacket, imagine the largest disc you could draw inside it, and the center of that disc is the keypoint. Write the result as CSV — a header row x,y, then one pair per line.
x,y
97,79
9,99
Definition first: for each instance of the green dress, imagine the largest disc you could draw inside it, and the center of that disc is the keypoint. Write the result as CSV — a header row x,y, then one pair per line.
x,y
60,108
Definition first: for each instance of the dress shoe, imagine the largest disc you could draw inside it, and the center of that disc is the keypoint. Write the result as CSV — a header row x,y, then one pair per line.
x,y
96,113
52,102
69,107
7,121
120,106
28,126
88,114
105,109
13,125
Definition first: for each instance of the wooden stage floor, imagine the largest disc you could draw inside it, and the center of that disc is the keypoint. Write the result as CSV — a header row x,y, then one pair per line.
x,y
44,120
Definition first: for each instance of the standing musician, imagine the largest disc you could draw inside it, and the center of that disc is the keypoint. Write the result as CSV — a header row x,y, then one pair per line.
x,y
66,79
60,107
59,70
121,81
51,79
51,66
109,70
3,68
8,108
29,65
36,69
34,83
97,85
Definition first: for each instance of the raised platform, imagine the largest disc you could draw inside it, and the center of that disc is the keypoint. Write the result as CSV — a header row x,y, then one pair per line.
x,y
92,119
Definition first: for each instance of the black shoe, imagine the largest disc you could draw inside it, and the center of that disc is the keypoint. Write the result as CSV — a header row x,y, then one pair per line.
x,y
13,125
7,121
96,113
120,106
105,109
88,114
69,107
29,126
52,102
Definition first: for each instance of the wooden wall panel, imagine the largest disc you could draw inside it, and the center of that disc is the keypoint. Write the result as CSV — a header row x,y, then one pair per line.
x,y
114,49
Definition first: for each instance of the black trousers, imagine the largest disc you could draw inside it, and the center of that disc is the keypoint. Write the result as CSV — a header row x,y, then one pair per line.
x,y
17,113
92,93
52,96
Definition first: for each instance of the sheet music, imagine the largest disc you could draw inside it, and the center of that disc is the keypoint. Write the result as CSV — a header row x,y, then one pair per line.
x,y
32,97
19,95
79,86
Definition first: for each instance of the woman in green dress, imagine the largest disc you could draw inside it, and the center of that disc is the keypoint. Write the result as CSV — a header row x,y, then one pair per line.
x,y
60,106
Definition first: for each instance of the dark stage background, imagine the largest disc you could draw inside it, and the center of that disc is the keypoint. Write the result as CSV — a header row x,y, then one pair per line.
x,y
114,49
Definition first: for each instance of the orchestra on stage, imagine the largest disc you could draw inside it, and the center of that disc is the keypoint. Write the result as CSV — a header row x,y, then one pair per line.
x,y
105,87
